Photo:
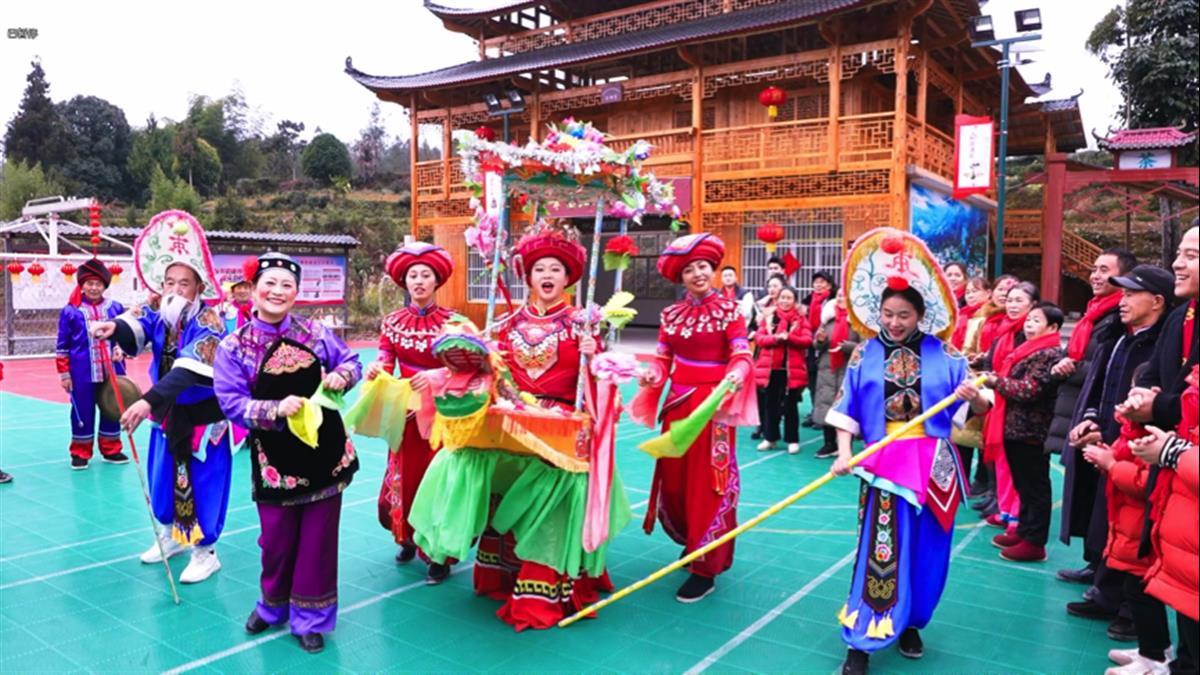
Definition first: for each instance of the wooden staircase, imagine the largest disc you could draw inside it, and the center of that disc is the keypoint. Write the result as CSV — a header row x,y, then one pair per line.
x,y
1023,236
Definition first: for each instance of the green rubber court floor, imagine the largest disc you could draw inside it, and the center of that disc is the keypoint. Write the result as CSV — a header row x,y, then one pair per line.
x,y
74,597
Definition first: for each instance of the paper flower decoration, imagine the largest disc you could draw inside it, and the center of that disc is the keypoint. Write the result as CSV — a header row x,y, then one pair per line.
x,y
618,252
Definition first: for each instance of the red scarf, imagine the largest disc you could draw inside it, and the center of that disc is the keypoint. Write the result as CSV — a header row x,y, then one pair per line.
x,y
1096,308
960,294
838,335
814,309
990,330
993,424
964,319
1006,338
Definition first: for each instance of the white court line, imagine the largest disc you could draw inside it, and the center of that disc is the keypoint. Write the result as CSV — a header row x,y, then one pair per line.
x,y
64,461
105,563
245,646
1000,562
770,616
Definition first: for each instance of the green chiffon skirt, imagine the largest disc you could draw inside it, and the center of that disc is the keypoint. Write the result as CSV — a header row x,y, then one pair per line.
x,y
542,506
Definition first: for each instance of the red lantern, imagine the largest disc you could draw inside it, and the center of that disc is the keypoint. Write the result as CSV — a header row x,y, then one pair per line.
x,y
772,98
770,234
14,271
68,271
115,269
36,270
486,133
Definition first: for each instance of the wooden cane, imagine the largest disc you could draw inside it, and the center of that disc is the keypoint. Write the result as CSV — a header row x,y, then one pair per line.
x,y
754,522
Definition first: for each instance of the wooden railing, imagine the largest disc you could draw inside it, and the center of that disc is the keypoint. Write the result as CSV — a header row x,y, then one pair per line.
x,y
930,148
1023,234
866,138
667,147
785,145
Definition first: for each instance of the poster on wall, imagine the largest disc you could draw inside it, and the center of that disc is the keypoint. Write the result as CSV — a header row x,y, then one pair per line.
x,y
52,288
323,279
954,231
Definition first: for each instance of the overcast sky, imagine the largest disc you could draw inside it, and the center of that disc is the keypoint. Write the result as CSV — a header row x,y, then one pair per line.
x,y
151,57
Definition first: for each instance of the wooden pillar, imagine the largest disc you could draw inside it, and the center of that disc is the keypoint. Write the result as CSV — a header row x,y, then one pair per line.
x,y
899,179
922,101
1052,226
415,129
535,113
696,217
958,84
835,98
447,152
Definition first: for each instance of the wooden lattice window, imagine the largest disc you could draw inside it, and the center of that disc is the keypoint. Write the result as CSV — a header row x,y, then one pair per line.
x,y
682,117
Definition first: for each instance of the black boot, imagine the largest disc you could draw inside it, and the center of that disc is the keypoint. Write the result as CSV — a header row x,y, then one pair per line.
x,y
312,643
438,572
911,646
695,588
406,553
856,662
256,624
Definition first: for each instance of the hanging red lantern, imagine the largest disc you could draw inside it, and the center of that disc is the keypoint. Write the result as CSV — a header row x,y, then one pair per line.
x,y
115,269
36,270
486,133
770,234
14,270
68,271
94,224
772,97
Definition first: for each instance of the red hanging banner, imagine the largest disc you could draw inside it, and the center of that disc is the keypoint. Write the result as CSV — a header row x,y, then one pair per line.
x,y
973,155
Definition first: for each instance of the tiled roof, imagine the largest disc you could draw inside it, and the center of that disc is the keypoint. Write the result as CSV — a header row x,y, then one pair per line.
x,y
1142,139
291,238
781,14
484,8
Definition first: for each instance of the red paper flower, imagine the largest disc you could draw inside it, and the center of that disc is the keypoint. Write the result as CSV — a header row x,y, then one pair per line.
x,y
486,133
621,245
898,283
892,245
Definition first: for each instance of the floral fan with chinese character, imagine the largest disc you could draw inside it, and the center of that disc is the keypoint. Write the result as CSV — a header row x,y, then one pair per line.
x,y
887,257
174,237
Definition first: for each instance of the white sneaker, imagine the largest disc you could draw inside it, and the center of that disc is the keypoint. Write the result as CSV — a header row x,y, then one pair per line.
x,y
1123,657
793,448
1140,665
170,548
766,445
202,565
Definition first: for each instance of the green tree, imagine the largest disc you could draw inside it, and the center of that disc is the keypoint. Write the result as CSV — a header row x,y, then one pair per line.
x,y
172,193
325,159
19,183
1150,48
101,138
282,149
37,133
370,147
151,147
196,160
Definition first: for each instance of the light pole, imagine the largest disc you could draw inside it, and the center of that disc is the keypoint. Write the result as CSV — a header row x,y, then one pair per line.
x,y
983,34
495,107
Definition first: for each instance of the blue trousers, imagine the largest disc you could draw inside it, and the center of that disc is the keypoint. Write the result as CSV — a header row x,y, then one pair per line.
x,y
210,482
902,561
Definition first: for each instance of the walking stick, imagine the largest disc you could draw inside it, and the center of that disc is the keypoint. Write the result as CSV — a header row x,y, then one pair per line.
x,y
803,492
112,380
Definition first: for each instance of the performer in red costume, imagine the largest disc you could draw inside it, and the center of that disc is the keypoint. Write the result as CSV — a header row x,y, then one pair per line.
x,y
701,341
542,343
405,344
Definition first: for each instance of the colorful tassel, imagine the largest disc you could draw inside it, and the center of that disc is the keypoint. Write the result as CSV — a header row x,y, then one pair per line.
x,y
847,620
190,538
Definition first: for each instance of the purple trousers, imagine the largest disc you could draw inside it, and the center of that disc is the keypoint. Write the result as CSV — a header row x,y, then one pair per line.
x,y
299,565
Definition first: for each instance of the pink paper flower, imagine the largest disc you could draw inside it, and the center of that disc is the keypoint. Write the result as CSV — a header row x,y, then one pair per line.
x,y
619,367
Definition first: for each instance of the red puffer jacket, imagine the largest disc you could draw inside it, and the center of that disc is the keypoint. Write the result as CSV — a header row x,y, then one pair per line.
x,y
771,349
1126,488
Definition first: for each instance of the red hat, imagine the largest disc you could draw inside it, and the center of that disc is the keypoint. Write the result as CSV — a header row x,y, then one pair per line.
x,y
91,269
685,249
419,253
551,244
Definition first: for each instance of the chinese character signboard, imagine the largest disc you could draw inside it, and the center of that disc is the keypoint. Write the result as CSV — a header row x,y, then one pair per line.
x,y
973,155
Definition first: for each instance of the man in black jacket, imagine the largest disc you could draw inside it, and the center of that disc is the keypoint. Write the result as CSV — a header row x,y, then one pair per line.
x,y
1083,373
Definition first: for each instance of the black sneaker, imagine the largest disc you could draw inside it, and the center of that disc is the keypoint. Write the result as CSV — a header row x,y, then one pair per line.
x,y
5,477
911,646
312,643
438,572
856,662
695,588
78,463
1122,630
1080,576
256,624
406,554
826,452
1090,609
115,458
756,436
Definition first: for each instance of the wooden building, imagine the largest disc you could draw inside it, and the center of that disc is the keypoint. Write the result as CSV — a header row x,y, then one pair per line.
x,y
872,88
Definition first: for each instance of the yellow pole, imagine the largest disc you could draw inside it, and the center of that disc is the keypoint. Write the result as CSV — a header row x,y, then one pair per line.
x,y
803,492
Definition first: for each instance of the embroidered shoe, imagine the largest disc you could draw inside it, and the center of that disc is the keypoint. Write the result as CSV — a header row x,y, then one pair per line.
x,y
1140,665
1023,552
438,572
78,463
115,458
856,662
695,588
911,645
1008,538
766,445
202,566
793,448
406,554
170,548
312,643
